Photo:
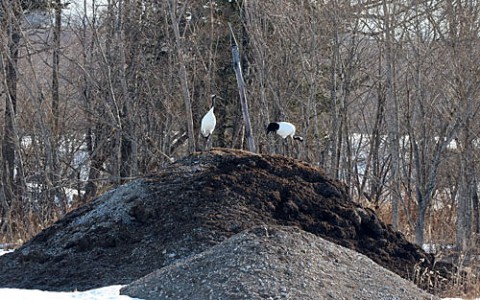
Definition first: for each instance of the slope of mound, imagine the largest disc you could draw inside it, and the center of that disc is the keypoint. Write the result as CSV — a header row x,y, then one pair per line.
x,y
275,262
190,206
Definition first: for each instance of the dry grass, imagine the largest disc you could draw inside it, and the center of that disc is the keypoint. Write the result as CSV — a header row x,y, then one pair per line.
x,y
440,238
24,225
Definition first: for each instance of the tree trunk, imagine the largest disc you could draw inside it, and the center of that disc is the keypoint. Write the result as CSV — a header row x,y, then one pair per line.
x,y
8,148
128,148
466,190
9,192
182,73
475,204
335,122
420,221
52,140
392,111
96,130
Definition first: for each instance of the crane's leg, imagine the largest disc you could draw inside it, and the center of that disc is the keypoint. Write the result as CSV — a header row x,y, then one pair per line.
x,y
205,143
285,147
296,149
208,143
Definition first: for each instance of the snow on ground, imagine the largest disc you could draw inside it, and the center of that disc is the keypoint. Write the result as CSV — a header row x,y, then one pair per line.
x,y
104,293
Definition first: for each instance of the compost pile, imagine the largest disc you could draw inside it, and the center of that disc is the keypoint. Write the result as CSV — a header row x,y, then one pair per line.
x,y
275,262
192,205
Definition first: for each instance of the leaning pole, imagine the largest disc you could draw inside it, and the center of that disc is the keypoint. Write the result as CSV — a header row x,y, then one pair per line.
x,y
243,94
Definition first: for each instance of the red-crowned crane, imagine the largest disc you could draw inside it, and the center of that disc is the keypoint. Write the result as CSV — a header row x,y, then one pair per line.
x,y
208,124
209,121
285,130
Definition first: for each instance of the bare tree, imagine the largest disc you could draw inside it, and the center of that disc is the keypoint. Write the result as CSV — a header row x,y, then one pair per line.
x,y
392,109
175,12
11,11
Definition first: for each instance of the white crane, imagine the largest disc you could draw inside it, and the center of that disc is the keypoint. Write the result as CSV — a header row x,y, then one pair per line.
x,y
209,121
208,125
283,129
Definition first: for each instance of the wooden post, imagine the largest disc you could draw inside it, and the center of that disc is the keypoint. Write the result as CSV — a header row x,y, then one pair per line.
x,y
241,90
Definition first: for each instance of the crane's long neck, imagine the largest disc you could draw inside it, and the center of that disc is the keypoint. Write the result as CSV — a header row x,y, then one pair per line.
x,y
213,101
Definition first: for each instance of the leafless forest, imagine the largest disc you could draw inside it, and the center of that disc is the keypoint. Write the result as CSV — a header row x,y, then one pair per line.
x,y
385,93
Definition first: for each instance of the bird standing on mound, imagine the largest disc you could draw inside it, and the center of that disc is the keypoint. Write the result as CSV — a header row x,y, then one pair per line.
x,y
285,130
208,123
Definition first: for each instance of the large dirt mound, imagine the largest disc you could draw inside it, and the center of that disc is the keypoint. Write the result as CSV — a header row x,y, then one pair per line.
x,y
275,262
188,207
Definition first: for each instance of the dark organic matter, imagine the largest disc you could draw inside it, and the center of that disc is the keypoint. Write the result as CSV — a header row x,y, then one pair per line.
x,y
192,205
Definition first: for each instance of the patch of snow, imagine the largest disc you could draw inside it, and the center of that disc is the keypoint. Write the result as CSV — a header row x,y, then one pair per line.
x,y
2,251
104,293
434,248
429,248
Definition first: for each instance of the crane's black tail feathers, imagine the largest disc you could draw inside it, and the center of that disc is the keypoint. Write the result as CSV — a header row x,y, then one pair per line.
x,y
298,138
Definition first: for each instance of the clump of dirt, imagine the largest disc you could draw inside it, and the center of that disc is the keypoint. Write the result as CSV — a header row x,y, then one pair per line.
x,y
192,205
275,262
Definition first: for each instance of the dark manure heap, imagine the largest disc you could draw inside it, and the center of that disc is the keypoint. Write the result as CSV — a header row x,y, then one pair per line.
x,y
190,206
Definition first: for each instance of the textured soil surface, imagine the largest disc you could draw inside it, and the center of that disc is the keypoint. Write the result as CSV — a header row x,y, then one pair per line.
x,y
275,262
192,205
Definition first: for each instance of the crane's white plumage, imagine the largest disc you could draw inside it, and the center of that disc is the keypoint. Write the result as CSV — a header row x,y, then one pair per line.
x,y
209,121
283,129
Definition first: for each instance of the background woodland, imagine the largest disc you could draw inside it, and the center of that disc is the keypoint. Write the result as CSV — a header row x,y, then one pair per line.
x,y
385,93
